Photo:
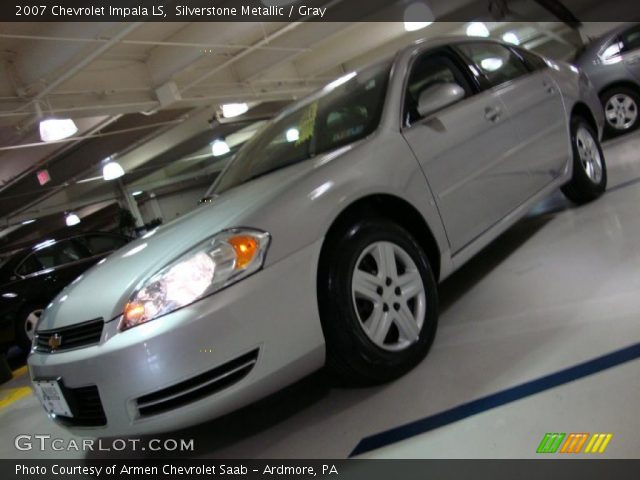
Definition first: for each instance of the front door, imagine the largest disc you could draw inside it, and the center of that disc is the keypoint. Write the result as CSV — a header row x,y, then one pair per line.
x,y
464,149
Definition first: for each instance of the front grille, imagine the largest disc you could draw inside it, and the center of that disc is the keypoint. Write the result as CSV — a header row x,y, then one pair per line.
x,y
65,338
197,387
86,407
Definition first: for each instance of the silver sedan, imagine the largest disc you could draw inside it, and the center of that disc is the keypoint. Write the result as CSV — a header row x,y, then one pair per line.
x,y
323,240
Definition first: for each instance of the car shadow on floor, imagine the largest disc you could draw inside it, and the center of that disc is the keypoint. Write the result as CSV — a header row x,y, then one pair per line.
x,y
265,414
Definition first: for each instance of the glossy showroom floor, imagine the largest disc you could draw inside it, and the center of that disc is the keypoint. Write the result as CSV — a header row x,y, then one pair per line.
x,y
558,290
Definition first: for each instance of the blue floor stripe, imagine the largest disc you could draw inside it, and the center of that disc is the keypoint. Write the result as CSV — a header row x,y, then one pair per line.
x,y
498,399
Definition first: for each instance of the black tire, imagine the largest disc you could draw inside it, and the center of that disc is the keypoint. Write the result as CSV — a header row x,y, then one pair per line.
x,y
581,188
22,339
610,131
351,354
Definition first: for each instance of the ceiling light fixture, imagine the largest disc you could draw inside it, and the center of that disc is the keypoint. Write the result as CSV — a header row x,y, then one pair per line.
x,y
477,29
417,11
219,148
231,110
112,170
54,129
137,193
72,219
511,37
27,222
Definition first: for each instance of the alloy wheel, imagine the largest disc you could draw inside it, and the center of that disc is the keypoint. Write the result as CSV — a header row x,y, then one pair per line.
x,y
388,296
589,154
621,111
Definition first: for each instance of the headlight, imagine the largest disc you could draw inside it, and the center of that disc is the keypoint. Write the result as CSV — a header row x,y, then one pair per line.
x,y
218,262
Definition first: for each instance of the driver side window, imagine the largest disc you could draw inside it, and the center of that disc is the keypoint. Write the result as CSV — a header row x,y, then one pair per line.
x,y
430,70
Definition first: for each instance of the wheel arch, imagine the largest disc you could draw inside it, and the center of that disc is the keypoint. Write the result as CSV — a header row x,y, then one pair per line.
x,y
581,109
393,208
621,83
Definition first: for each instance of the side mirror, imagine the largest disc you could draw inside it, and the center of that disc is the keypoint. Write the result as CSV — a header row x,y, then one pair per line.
x,y
438,96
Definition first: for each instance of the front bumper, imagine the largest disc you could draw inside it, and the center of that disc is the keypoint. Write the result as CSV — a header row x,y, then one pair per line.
x,y
273,313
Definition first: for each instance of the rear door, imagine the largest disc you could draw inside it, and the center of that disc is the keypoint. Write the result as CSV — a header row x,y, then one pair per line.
x,y
630,50
464,149
535,106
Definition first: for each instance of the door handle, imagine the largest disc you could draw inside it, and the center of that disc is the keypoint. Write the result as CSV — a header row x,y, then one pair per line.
x,y
492,114
549,88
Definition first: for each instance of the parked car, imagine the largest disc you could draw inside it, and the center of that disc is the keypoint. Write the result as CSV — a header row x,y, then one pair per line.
x,y
323,239
32,277
612,62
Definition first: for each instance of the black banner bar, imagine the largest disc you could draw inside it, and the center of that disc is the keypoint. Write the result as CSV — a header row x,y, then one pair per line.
x,y
325,469
568,11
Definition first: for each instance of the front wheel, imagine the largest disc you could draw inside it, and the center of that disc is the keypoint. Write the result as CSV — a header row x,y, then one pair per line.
x,y
26,327
589,179
378,302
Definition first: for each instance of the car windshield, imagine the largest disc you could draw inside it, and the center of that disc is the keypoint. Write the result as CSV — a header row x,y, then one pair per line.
x,y
344,111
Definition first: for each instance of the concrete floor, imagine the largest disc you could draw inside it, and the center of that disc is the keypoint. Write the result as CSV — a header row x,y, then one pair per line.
x,y
558,289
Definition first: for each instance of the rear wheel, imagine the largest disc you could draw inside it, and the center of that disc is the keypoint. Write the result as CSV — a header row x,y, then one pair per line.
x,y
378,302
620,110
589,178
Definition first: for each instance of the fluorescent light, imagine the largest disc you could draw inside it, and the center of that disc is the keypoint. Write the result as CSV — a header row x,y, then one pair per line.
x,y
293,134
112,170
46,243
219,148
477,29
54,129
339,81
511,37
72,219
417,11
27,222
138,192
231,110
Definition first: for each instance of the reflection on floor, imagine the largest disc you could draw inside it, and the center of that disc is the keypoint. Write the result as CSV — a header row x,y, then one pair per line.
x,y
558,289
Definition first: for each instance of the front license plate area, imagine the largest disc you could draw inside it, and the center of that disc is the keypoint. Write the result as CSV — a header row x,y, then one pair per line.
x,y
52,397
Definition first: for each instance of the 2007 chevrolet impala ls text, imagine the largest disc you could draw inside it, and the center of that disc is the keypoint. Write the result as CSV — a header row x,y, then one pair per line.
x,y
323,240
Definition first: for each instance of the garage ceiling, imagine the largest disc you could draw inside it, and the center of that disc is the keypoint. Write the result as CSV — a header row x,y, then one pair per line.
x,y
114,79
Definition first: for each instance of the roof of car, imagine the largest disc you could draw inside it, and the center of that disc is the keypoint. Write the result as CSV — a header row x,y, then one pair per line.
x,y
53,240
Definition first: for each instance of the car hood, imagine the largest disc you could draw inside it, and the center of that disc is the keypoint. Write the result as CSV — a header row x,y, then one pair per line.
x,y
103,290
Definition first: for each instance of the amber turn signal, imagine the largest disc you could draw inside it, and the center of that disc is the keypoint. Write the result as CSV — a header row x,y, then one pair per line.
x,y
245,247
133,313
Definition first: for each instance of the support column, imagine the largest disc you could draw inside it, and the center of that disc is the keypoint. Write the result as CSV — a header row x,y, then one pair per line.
x,y
155,207
131,204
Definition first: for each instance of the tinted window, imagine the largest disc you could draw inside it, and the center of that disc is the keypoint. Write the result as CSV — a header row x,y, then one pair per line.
x,y
495,62
428,71
98,244
29,265
346,110
631,39
59,254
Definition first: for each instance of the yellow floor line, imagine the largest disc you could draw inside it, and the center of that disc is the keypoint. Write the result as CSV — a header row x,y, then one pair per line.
x,y
7,397
20,371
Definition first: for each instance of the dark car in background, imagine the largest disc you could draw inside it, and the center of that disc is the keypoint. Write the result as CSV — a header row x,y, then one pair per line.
x,y
612,63
32,277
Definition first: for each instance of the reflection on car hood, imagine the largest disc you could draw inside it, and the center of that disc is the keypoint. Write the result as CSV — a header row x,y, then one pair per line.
x,y
104,289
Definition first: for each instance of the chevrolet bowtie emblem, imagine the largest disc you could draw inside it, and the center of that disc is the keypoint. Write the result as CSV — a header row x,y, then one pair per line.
x,y
55,341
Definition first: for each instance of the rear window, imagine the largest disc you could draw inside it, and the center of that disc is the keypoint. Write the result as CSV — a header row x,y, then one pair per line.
x,y
56,255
